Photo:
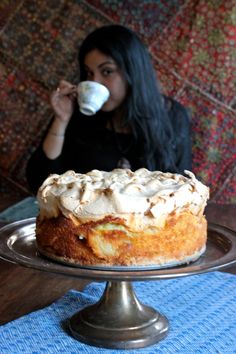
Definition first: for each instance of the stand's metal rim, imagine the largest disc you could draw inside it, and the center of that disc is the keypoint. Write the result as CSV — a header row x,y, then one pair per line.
x,y
225,241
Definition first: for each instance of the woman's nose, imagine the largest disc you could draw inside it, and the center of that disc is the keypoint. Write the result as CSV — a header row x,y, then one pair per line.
x,y
97,78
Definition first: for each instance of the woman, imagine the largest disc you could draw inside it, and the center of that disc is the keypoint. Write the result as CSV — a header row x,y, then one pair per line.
x,y
137,127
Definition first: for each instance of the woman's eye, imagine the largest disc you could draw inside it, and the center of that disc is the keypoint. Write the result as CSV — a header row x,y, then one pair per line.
x,y
107,72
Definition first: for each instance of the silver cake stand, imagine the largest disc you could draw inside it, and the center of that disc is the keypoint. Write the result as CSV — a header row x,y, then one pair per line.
x,y
118,320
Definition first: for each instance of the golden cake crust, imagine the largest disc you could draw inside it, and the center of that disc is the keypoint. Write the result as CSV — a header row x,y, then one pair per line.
x,y
182,238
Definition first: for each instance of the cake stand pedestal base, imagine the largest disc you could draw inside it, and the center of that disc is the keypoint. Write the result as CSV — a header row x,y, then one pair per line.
x,y
118,320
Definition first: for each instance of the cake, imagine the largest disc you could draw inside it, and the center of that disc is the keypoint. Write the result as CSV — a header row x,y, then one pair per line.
x,y
122,218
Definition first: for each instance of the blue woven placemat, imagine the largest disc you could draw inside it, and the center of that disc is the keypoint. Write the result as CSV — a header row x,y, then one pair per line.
x,y
201,310
25,209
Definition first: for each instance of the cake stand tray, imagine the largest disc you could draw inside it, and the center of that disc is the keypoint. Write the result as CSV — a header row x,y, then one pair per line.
x,y
118,320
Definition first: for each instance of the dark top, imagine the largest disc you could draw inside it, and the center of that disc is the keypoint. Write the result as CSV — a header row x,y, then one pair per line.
x,y
90,145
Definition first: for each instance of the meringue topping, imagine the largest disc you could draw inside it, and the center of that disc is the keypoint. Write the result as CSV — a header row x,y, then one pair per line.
x,y
142,197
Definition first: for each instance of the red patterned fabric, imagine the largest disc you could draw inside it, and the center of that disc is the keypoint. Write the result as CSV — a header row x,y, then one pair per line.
x,y
193,45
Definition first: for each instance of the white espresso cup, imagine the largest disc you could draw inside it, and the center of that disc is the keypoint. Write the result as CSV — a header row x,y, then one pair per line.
x,y
91,97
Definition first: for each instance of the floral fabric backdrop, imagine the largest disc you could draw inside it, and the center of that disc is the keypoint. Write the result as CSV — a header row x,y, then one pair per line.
x,y
193,46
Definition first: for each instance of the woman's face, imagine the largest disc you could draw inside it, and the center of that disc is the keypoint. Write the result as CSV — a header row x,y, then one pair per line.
x,y
104,70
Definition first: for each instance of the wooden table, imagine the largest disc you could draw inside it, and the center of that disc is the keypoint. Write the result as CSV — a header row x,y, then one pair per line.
x,y
24,290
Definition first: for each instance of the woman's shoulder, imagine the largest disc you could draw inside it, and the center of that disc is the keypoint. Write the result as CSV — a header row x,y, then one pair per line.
x,y
175,107
179,114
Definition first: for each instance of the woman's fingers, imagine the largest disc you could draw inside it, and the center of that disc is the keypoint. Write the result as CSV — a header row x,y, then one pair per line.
x,y
66,88
62,100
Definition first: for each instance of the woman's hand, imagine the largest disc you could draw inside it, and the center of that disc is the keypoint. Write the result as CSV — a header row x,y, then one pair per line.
x,y
63,100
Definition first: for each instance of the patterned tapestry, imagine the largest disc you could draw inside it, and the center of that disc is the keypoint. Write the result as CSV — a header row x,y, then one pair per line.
x,y
193,46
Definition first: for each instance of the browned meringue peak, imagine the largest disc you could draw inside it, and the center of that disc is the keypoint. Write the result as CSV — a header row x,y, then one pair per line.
x,y
142,197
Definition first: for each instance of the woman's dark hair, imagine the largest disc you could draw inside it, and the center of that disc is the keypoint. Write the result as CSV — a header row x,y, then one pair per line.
x,y
144,108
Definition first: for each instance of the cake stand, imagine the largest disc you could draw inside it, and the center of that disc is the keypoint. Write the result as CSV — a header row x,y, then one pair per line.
x,y
118,320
